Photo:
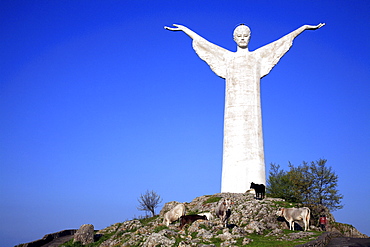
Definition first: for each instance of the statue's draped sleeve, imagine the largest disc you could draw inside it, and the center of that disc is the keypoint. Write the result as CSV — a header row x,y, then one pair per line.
x,y
270,54
215,56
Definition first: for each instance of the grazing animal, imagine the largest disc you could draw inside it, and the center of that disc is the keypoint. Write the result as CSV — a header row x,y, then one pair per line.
x,y
223,210
294,214
260,190
208,215
174,214
189,219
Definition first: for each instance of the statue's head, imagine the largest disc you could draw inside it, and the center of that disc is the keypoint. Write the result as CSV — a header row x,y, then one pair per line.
x,y
242,35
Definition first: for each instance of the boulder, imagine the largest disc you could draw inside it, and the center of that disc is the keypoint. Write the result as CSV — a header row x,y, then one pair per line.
x,y
85,235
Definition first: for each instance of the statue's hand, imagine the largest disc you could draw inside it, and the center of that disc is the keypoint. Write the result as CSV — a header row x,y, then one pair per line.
x,y
176,28
186,30
310,27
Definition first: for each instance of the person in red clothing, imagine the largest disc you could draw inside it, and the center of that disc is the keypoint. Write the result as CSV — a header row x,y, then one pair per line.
x,y
323,221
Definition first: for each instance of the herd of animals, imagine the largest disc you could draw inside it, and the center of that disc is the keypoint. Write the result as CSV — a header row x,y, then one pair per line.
x,y
223,211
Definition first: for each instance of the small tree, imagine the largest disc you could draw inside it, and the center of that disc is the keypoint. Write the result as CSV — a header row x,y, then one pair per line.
x,y
301,179
312,184
279,184
149,201
324,186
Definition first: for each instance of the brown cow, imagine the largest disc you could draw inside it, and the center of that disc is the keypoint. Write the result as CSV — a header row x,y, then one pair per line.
x,y
189,219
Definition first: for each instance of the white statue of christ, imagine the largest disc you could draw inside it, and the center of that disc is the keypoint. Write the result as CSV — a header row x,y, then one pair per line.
x,y
243,155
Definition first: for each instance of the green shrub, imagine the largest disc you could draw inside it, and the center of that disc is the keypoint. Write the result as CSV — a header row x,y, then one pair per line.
x,y
146,221
284,204
263,241
193,212
70,243
213,199
160,228
216,241
203,226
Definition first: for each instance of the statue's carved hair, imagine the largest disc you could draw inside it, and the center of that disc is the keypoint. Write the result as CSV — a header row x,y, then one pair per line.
x,y
240,26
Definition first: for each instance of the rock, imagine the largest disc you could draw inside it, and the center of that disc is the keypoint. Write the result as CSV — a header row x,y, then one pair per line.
x,y
228,243
183,244
85,234
255,226
346,230
247,241
225,236
204,234
275,232
130,225
158,239
238,231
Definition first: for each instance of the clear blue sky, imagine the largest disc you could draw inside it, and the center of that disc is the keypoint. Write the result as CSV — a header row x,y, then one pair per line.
x,y
98,103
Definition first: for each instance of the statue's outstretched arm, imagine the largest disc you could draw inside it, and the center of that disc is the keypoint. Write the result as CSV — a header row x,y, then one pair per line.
x,y
270,54
212,54
310,27
306,27
186,30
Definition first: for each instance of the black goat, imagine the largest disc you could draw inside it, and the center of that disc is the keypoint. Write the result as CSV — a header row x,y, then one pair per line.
x,y
260,190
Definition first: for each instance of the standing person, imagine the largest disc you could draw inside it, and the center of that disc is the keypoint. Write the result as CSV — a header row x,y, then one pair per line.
x,y
323,221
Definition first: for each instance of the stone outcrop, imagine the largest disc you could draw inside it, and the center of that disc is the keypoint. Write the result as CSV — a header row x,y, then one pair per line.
x,y
345,230
85,235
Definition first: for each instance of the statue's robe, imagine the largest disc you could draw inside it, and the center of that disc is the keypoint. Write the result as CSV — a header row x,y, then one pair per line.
x,y
243,155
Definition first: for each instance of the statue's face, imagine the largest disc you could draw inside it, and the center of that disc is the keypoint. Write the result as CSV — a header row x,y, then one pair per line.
x,y
242,35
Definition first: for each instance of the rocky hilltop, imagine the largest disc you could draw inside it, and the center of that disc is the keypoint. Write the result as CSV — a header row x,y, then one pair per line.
x,y
251,221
